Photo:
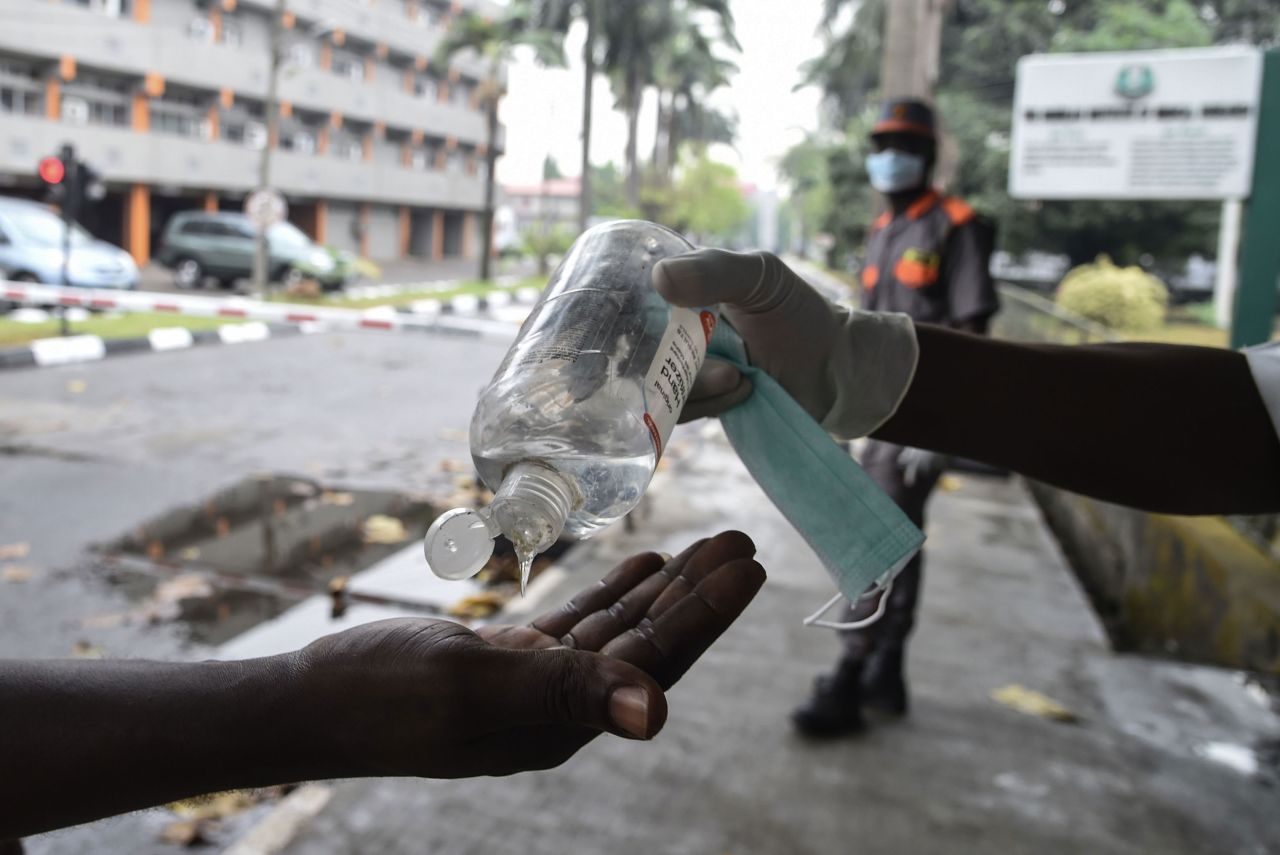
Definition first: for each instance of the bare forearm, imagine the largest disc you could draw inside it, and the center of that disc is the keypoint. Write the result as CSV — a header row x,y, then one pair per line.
x,y
84,740
1161,427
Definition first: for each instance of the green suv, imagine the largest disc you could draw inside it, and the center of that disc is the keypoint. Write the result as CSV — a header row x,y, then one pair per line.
x,y
198,245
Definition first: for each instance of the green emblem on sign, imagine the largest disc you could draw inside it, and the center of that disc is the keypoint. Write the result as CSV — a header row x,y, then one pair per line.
x,y
1135,81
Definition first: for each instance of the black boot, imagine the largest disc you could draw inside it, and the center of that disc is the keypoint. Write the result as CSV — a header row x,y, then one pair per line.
x,y
835,707
884,682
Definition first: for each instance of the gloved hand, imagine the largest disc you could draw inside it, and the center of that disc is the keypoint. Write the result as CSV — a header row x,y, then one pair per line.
x,y
848,369
920,464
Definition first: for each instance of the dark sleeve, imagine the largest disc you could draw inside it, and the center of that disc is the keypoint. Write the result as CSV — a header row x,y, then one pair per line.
x,y
966,270
1104,420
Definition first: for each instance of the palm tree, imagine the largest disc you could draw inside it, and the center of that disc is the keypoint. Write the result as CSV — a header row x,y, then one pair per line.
x,y
687,70
635,33
495,41
558,17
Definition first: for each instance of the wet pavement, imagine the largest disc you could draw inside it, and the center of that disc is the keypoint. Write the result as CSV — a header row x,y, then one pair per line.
x,y
962,774
1165,757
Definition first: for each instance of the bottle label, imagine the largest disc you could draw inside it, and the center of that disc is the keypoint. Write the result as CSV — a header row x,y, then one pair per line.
x,y
670,379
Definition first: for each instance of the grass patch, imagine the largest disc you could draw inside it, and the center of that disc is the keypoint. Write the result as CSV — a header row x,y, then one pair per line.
x,y
472,287
135,325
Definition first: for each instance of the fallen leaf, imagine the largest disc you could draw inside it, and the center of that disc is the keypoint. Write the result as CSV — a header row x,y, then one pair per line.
x,y
950,483
17,573
75,387
191,553
14,550
184,587
381,528
1031,702
110,621
185,832
217,805
479,605
451,465
85,650
341,500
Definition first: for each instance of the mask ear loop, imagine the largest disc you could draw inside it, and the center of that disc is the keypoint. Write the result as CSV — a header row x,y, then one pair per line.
x,y
815,619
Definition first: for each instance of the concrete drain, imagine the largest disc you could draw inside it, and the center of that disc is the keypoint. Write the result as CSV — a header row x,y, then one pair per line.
x,y
251,551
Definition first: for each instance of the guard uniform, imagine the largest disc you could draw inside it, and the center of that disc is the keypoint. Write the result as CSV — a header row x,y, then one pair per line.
x,y
932,263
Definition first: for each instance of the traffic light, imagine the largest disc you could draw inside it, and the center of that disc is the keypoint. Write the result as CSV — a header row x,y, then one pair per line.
x,y
57,172
70,183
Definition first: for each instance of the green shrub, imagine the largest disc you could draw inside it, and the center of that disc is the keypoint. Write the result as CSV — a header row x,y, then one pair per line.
x,y
1126,298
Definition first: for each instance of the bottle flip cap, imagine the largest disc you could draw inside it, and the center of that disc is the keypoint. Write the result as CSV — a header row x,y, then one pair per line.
x,y
459,543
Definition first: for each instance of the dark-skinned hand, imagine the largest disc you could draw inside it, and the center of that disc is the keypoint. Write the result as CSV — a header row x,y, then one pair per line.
x,y
434,699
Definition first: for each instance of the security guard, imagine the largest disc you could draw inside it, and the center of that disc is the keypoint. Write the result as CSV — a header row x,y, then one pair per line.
x,y
927,256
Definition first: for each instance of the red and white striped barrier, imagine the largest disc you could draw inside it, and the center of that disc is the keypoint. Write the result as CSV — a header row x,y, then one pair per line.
x,y
312,317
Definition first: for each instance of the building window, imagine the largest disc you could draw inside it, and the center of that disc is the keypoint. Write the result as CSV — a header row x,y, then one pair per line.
x,y
232,33
346,148
249,133
301,55
302,142
461,94
110,8
20,89
201,29
347,65
425,87
179,123
20,101
454,163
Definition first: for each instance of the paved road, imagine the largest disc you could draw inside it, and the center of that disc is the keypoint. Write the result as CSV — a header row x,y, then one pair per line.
x,y
962,775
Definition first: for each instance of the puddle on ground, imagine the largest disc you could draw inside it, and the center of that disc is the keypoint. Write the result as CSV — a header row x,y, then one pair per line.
x,y
251,551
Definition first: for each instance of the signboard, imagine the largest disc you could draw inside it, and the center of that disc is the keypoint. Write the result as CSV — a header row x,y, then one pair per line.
x,y
265,207
1169,124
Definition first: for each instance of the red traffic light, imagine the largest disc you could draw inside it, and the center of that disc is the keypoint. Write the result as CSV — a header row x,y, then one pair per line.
x,y
52,171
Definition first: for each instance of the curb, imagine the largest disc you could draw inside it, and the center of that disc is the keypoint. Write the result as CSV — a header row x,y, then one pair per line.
x,y
70,350
48,352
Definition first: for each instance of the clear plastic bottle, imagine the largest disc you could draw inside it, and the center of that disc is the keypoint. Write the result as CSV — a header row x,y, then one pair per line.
x,y
568,432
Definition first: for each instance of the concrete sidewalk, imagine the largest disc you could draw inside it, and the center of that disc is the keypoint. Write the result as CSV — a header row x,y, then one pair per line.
x,y
962,774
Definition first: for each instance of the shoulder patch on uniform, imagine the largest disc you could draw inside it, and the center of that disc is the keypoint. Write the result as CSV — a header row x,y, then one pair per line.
x,y
958,211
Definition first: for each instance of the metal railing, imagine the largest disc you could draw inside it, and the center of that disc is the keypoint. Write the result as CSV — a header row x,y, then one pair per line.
x,y
1026,316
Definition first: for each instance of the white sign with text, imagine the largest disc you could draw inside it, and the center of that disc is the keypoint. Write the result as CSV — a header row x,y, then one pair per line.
x,y
1168,124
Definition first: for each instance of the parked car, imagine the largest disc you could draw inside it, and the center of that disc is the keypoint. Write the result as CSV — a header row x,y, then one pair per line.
x,y
198,245
31,240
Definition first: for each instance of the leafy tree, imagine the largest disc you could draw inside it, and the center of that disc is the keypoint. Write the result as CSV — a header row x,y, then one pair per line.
x,y
706,200
495,40
610,197
550,169
981,42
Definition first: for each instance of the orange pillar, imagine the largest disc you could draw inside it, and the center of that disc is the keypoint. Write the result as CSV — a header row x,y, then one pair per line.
x,y
406,235
53,99
468,226
437,235
137,223
215,123
142,11
211,202
364,229
141,119
322,222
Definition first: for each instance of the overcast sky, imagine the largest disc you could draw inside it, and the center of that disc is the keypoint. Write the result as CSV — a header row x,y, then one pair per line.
x,y
543,110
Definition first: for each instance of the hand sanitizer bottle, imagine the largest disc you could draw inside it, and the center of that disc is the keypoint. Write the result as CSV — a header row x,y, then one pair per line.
x,y
568,432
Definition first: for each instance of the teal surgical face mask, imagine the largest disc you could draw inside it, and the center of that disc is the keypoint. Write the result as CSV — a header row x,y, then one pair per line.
x,y
862,538
891,171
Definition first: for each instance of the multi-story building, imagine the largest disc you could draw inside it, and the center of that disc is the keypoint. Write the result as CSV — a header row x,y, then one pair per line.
x,y
379,149
552,204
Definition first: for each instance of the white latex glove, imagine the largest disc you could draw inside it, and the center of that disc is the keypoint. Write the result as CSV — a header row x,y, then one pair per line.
x,y
848,369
